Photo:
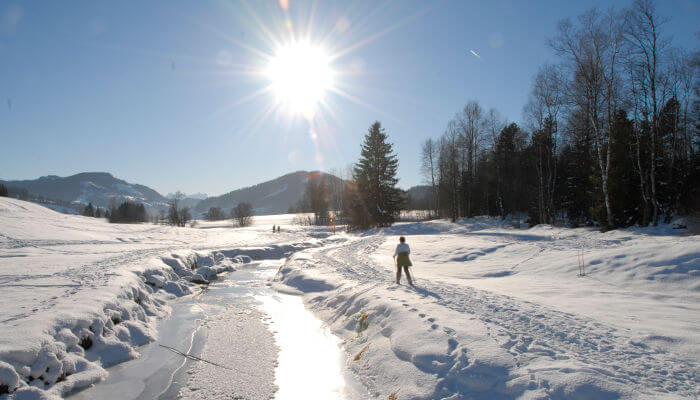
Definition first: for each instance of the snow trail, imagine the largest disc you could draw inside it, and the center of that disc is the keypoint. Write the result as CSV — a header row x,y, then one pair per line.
x,y
544,343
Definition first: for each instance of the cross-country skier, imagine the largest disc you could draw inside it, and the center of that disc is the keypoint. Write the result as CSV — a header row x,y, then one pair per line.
x,y
402,260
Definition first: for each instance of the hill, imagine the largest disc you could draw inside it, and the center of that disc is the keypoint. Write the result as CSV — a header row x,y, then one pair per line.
x,y
271,197
80,189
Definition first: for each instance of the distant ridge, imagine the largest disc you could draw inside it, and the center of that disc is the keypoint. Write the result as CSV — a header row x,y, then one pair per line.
x,y
271,197
73,192
98,188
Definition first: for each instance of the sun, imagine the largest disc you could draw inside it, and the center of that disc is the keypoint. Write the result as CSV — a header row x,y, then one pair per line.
x,y
300,75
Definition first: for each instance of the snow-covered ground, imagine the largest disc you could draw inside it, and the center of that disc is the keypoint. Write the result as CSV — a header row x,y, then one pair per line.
x,y
80,294
497,312
500,313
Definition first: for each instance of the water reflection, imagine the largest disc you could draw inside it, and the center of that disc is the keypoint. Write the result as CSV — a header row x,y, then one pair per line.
x,y
310,359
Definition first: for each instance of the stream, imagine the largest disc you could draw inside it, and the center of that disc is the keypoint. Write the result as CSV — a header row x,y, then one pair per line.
x,y
251,342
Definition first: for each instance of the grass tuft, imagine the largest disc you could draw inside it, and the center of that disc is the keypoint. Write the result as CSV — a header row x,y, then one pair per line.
x,y
359,355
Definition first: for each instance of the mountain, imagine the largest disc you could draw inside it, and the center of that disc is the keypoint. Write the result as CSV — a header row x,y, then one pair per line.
x,y
420,197
97,188
271,197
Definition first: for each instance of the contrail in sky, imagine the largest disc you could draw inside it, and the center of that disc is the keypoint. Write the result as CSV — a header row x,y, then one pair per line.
x,y
475,54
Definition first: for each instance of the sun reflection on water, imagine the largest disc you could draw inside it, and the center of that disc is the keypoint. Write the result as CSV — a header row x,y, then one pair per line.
x,y
310,359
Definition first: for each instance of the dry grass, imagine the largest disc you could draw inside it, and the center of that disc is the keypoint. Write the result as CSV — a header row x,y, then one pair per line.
x,y
359,355
394,396
362,323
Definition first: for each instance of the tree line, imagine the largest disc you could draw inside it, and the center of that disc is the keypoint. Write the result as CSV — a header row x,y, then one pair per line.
x,y
241,214
611,135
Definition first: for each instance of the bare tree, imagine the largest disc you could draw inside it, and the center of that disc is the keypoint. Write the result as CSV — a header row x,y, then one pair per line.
x,y
178,216
215,214
543,110
642,31
448,167
429,155
592,50
243,214
493,125
470,122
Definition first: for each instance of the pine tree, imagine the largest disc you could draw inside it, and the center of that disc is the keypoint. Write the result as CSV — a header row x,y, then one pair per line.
x,y
3,191
89,210
375,179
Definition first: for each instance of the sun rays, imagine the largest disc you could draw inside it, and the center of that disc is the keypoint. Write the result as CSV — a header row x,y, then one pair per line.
x,y
299,62
300,76
293,64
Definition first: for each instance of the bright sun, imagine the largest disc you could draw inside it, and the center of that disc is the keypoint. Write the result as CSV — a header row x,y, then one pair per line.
x,y
300,75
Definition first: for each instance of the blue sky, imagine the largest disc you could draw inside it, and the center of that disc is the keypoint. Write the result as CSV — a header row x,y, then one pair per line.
x,y
163,93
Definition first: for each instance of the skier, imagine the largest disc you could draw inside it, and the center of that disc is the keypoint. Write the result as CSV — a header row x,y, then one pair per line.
x,y
273,229
402,260
279,229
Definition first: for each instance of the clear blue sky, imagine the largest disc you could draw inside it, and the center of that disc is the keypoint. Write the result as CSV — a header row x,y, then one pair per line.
x,y
162,92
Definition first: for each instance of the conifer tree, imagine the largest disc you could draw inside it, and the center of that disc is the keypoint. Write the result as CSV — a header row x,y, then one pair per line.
x,y
89,210
375,180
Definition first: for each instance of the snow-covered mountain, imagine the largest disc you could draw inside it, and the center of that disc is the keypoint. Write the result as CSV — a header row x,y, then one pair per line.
x,y
271,197
97,188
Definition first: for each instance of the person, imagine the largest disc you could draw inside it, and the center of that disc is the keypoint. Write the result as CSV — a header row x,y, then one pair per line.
x,y
279,229
402,260
273,229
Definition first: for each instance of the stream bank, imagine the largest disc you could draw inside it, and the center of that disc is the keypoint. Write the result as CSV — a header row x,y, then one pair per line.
x,y
252,342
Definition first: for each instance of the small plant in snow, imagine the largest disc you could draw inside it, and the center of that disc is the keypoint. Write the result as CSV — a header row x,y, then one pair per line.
x,y
359,355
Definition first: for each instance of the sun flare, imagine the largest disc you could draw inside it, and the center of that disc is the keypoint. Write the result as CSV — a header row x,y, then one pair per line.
x,y
300,75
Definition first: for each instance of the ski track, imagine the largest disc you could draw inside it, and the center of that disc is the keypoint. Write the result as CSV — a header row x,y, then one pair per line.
x,y
528,330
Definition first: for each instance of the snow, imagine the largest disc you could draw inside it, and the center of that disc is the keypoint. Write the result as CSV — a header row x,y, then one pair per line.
x,y
276,192
497,312
81,295
245,370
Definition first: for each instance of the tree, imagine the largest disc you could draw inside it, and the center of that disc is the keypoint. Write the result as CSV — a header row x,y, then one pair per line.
x,y
316,199
243,214
89,210
470,122
178,216
591,50
543,110
448,167
429,165
643,36
375,178
508,160
215,214
128,212
3,191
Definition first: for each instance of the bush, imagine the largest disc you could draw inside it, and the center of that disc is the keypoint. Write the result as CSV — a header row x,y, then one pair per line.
x,y
243,214
215,214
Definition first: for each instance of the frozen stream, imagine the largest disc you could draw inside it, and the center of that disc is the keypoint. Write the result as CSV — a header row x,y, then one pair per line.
x,y
261,344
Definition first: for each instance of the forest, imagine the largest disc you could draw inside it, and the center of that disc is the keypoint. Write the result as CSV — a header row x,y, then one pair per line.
x,y
610,137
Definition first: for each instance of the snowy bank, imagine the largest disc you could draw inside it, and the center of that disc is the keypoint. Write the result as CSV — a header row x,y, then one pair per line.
x,y
71,349
500,313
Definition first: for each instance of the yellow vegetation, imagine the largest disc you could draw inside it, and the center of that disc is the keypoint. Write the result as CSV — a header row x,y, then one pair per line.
x,y
359,355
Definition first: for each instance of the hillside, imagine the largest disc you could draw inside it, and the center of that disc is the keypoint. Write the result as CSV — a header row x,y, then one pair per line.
x,y
271,197
97,188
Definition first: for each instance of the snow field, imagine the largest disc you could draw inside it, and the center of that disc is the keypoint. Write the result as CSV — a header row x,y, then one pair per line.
x,y
81,294
499,313
76,351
